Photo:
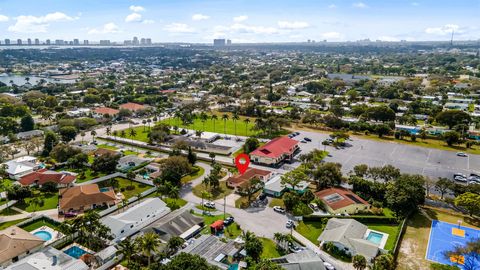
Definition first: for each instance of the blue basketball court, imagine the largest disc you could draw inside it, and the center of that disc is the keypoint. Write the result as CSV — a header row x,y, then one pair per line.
x,y
445,237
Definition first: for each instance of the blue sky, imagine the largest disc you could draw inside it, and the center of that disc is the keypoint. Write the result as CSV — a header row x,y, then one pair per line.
x,y
240,20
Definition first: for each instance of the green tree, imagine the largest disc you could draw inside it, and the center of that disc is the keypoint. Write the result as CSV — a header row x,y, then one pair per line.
x,y
451,118
293,178
327,175
470,201
148,245
214,119
384,262
235,118
246,121
27,123
68,133
382,130
105,163
253,246
443,185
174,244
127,249
50,141
451,137
250,145
186,261
405,194
359,262
225,118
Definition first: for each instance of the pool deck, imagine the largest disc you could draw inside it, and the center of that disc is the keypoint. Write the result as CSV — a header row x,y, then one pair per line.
x,y
383,241
54,233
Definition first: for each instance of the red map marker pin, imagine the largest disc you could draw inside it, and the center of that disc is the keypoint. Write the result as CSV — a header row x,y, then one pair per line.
x,y
242,161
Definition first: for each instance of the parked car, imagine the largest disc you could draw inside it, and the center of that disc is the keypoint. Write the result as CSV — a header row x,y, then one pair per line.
x,y
460,174
462,154
296,133
328,266
290,224
228,221
294,248
475,175
262,197
70,214
460,179
314,206
209,204
278,209
307,139
303,141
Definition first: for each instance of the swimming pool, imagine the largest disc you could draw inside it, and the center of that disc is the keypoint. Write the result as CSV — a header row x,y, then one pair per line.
x,y
104,189
75,251
375,237
44,235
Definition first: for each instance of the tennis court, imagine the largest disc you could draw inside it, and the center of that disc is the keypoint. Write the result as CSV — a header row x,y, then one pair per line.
x,y
445,237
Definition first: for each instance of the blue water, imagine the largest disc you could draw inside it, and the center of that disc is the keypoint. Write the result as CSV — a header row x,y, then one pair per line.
x,y
104,189
44,235
375,237
75,251
233,266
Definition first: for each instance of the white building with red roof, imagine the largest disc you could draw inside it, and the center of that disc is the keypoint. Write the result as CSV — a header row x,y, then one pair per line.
x,y
276,151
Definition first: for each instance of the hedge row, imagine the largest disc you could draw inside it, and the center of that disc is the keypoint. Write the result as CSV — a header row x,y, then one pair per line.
x,y
361,219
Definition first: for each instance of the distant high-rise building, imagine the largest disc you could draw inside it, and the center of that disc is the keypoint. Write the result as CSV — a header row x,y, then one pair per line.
x,y
7,41
59,42
142,41
37,41
47,41
148,41
19,42
76,42
105,42
219,42
229,42
85,42
29,41
135,41
127,42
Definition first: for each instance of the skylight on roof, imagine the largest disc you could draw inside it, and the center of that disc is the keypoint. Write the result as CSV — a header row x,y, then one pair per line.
x,y
332,198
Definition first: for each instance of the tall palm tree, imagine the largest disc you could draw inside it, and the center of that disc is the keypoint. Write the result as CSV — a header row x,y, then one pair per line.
x,y
359,262
225,118
115,134
82,134
214,118
132,132
108,131
148,244
123,134
203,118
127,249
235,117
93,133
246,121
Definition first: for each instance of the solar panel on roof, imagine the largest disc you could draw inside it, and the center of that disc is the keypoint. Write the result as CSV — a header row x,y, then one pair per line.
x,y
333,198
353,198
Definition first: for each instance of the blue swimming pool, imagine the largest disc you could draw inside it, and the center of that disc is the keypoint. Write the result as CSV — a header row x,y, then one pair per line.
x,y
375,237
44,235
104,189
75,251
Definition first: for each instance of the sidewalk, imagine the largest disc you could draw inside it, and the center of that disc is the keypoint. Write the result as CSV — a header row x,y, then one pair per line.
x,y
53,213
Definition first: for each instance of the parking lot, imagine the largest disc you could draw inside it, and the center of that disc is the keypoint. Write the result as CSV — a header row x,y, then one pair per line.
x,y
409,159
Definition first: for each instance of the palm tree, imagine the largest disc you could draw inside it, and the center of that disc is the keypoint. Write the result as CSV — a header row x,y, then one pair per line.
x,y
214,118
144,122
235,117
108,131
132,132
198,133
149,121
148,244
127,249
123,134
93,133
246,121
115,134
359,262
203,118
82,134
35,202
225,118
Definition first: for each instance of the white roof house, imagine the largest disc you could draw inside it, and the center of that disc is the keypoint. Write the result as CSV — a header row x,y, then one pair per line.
x,y
20,166
51,259
135,218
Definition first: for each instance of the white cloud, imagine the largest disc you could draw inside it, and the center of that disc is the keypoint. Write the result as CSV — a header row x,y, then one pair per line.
x,y
137,8
148,22
241,18
179,28
250,29
134,17
443,30
360,5
293,25
332,6
3,18
37,24
105,29
331,35
200,17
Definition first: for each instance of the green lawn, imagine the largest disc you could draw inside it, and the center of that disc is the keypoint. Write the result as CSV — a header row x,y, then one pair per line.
x,y
129,153
7,224
222,191
125,187
39,223
174,203
106,146
219,127
84,174
7,182
269,249
232,231
392,230
276,202
193,176
9,212
50,201
242,202
311,230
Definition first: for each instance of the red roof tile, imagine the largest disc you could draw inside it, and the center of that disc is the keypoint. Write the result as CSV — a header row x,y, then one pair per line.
x,y
337,198
44,176
276,148
132,106
247,176
106,110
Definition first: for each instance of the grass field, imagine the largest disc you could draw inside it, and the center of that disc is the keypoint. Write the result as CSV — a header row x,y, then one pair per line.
x,y
7,224
39,223
50,201
222,191
276,202
193,176
9,212
269,249
7,182
311,230
392,230
174,204
106,146
415,240
218,125
123,186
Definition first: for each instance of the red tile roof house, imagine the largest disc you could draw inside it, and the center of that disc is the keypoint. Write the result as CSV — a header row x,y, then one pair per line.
x,y
84,197
40,177
275,152
342,201
239,179
102,111
132,106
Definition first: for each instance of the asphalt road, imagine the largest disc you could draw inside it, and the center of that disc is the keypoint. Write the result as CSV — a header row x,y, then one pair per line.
x,y
433,163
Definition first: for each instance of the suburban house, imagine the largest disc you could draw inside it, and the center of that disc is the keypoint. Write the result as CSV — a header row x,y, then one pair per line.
x,y
303,260
353,237
26,135
342,201
215,251
43,176
275,188
51,259
130,161
239,179
16,243
182,224
102,111
84,197
21,166
275,151
133,107
135,218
